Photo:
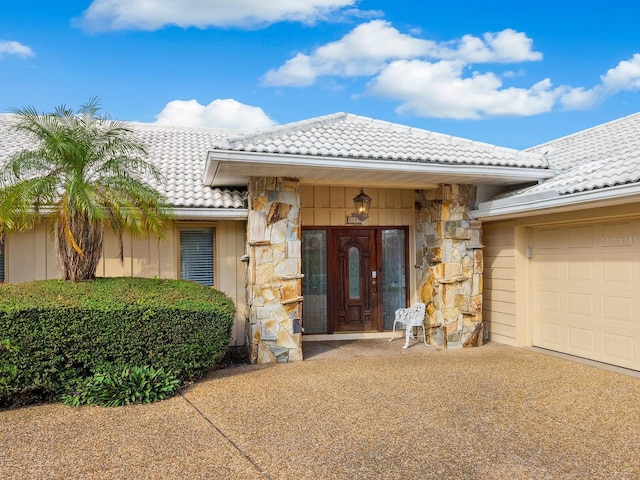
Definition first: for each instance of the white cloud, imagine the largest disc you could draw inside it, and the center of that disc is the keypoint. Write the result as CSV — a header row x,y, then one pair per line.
x,y
439,79
362,52
441,90
9,47
299,71
507,46
156,14
623,77
580,98
368,48
221,113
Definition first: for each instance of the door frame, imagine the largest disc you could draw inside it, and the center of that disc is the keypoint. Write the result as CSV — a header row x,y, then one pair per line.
x,y
331,265
338,279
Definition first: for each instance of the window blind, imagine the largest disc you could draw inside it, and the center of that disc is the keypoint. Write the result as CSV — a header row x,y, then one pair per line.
x,y
197,255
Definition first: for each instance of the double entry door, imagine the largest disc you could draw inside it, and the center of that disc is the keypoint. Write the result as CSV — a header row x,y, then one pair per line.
x,y
354,279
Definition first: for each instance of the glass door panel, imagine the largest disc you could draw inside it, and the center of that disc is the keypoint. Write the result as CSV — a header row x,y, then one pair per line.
x,y
314,282
394,273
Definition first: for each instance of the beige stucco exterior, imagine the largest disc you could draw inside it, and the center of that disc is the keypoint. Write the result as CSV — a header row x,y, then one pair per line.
x,y
30,256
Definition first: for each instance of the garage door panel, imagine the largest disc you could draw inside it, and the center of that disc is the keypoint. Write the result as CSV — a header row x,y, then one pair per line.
x,y
548,270
549,335
581,341
618,309
618,234
619,349
548,303
580,237
618,270
584,287
580,304
581,270
547,239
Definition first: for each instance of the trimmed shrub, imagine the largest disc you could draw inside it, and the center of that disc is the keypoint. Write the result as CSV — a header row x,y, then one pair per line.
x,y
55,334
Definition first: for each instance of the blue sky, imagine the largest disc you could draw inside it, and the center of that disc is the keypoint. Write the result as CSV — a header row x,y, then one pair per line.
x,y
514,74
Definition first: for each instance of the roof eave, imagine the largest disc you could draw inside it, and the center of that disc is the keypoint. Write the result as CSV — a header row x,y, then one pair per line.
x,y
245,163
208,213
553,202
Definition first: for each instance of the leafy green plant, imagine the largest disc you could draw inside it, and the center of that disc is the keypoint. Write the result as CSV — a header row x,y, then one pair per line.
x,y
8,367
90,173
132,385
62,333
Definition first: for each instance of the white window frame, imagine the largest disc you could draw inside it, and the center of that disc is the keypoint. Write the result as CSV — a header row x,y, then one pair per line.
x,y
213,253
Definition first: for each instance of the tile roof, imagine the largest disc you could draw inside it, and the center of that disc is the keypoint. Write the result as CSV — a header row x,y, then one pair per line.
x,y
352,136
604,156
179,153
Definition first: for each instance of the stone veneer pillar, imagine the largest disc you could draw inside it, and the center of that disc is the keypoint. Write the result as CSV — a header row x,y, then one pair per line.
x,y
274,280
449,263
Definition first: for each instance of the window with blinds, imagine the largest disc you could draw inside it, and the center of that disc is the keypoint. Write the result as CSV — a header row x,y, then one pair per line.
x,y
197,255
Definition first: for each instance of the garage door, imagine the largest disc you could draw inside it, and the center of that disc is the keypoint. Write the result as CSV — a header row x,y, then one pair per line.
x,y
584,295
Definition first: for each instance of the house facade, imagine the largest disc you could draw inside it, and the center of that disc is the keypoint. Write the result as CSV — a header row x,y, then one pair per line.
x,y
562,258
268,217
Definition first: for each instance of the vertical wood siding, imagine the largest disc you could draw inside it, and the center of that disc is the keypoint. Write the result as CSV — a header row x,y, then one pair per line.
x,y
30,256
330,206
231,272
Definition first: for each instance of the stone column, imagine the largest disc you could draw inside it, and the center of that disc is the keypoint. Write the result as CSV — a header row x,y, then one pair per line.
x,y
449,264
274,284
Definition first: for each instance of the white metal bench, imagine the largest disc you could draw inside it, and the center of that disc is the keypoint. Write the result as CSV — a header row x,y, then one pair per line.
x,y
411,317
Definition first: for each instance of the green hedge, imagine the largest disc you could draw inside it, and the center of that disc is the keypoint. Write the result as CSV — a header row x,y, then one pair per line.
x,y
55,334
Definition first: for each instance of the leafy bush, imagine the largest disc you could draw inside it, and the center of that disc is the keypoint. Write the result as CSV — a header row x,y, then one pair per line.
x,y
8,368
132,385
56,334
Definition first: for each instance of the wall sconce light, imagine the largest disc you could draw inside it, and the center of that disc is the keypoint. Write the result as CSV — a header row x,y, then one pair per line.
x,y
362,201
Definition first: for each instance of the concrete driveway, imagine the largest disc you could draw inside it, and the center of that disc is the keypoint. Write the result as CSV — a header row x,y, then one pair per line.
x,y
352,410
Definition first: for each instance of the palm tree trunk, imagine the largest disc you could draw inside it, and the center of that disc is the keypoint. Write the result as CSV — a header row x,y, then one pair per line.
x,y
77,266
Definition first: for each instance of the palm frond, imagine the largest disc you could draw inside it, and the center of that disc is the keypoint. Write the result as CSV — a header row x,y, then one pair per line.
x,y
89,171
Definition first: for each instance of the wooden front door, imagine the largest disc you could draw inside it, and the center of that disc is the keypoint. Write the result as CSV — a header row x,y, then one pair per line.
x,y
354,282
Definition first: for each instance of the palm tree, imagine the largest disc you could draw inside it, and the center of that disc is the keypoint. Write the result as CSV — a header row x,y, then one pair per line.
x,y
86,172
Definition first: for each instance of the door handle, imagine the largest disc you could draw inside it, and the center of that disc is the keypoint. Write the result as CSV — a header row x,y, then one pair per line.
x,y
374,282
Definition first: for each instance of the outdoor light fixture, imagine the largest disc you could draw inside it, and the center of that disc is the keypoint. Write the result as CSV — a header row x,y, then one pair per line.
x,y
362,202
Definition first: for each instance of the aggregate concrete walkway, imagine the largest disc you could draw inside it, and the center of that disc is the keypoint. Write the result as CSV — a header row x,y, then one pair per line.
x,y
352,410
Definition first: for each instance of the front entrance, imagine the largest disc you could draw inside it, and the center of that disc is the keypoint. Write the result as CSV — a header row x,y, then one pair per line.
x,y
354,278
355,290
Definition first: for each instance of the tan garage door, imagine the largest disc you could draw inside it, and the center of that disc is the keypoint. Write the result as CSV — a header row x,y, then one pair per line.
x,y
585,290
